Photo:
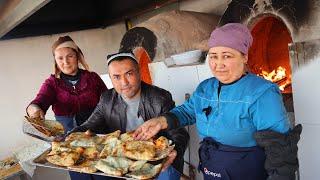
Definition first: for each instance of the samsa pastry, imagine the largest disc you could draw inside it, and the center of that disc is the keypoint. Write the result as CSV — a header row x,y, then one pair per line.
x,y
147,171
110,148
139,150
128,136
64,158
80,135
161,143
87,166
114,165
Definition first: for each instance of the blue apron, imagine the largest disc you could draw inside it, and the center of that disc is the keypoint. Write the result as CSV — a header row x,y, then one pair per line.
x,y
223,162
67,122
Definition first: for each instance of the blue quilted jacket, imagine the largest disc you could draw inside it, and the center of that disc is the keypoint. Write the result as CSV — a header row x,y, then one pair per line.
x,y
242,108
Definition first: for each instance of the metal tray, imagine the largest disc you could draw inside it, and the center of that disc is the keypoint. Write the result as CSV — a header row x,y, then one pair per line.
x,y
30,129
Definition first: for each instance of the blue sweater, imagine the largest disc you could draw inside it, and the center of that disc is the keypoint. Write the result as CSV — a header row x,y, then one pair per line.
x,y
242,108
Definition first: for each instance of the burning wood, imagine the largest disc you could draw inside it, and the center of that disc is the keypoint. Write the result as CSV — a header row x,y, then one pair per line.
x,y
285,84
277,76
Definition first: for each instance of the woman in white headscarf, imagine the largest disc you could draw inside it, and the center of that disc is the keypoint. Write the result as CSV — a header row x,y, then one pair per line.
x,y
72,92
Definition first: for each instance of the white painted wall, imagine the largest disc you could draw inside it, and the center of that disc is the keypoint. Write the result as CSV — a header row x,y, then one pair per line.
x,y
106,79
24,65
306,96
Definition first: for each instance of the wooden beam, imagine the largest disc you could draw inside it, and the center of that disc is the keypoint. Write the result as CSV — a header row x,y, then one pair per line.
x,y
22,11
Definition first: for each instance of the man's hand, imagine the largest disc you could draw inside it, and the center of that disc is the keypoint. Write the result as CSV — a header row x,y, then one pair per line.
x,y
34,111
169,160
150,128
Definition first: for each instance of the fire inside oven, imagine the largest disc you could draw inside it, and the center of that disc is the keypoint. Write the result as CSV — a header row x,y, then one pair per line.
x,y
269,55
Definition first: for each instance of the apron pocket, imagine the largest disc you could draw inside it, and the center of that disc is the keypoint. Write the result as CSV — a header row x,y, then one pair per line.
x,y
226,157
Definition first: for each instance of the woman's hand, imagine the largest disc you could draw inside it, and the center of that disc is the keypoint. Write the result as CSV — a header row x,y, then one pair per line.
x,y
34,111
150,128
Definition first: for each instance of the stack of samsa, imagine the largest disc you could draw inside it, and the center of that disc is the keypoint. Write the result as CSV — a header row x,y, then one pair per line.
x,y
115,154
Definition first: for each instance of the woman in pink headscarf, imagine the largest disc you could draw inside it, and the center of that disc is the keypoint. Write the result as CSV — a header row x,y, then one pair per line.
x,y
229,109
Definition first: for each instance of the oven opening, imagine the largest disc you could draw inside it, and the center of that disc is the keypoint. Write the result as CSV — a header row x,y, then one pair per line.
x,y
269,55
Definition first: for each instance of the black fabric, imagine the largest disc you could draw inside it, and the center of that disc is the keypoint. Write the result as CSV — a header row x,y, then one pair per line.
x,y
172,120
281,152
68,78
110,115
82,116
207,110
225,84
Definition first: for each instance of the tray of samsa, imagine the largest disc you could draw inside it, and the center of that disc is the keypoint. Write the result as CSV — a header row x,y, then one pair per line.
x,y
114,155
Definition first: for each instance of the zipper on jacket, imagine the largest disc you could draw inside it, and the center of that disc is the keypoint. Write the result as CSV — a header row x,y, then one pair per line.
x,y
74,90
219,91
218,107
77,98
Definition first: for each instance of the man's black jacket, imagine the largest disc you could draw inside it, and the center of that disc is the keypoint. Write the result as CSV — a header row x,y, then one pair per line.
x,y
110,115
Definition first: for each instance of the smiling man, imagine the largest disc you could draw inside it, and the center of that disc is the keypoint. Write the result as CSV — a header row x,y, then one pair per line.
x,y
130,103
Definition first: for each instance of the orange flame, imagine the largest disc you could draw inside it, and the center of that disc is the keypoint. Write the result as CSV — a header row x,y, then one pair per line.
x,y
277,76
